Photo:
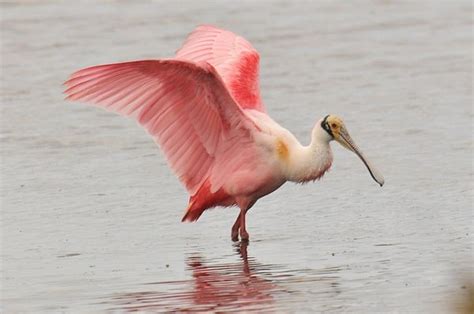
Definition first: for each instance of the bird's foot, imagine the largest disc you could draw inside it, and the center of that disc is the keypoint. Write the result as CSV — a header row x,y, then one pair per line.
x,y
244,236
235,234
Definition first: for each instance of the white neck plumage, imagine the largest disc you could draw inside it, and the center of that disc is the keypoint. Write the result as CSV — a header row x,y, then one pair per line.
x,y
309,163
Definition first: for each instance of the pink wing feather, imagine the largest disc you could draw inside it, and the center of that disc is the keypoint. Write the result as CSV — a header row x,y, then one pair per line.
x,y
185,107
234,58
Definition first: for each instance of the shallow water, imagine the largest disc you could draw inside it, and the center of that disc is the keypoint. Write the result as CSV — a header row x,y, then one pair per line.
x,y
91,213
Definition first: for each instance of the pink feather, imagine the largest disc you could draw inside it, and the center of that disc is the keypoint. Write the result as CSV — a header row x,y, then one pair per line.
x,y
233,57
185,106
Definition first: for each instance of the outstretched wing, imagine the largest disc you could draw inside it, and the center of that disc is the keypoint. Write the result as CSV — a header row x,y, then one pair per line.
x,y
234,58
185,106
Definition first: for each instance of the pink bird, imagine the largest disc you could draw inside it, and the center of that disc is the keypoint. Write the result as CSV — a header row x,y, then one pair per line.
x,y
204,110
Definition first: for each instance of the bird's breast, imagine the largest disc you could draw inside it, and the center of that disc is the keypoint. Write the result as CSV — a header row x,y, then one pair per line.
x,y
316,173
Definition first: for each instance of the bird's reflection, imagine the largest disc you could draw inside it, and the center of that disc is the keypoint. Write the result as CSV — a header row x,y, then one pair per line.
x,y
230,285
244,285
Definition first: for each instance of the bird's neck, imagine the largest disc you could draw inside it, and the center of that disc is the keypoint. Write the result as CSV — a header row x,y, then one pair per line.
x,y
309,163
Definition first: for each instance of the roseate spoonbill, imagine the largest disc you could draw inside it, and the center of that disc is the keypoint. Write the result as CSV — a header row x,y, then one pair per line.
x,y
204,110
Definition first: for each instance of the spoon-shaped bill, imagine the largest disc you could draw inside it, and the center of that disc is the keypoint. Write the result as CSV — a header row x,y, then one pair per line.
x,y
345,140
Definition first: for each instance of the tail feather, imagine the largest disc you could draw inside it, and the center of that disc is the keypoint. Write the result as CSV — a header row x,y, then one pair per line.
x,y
204,199
192,212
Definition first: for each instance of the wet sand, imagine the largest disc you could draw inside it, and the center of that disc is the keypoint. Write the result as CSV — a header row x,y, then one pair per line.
x,y
90,214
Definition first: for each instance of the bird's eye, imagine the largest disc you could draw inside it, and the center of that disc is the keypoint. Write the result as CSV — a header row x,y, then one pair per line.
x,y
334,125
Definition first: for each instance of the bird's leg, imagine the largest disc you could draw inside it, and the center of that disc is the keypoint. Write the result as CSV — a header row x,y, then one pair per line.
x,y
235,229
239,225
244,236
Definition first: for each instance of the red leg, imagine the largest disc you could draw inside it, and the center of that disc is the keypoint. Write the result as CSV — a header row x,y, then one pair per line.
x,y
244,236
235,229
239,227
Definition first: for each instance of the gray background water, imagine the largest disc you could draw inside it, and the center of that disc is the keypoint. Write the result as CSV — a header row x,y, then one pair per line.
x,y
91,213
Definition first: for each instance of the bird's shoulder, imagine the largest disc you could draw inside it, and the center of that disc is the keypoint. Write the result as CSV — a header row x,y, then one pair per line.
x,y
271,135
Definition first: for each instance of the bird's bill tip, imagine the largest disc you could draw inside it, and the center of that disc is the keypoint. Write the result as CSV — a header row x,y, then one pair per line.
x,y
380,181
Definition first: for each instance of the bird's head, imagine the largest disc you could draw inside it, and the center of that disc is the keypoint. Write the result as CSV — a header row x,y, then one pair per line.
x,y
336,130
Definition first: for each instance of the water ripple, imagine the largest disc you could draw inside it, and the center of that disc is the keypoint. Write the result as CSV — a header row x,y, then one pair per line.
x,y
244,285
